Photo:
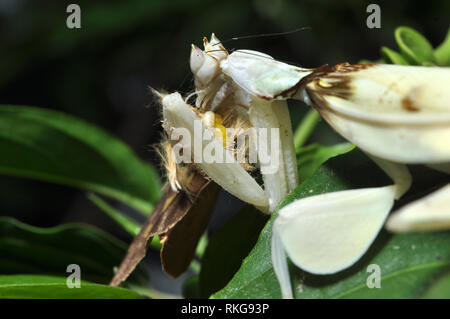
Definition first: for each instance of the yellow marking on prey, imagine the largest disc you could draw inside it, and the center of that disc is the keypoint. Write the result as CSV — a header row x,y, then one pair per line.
x,y
213,120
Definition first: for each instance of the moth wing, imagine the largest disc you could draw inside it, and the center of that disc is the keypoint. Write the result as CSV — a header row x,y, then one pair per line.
x,y
399,113
261,75
327,233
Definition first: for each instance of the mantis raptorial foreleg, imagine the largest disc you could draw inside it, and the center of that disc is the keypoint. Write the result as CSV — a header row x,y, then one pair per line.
x,y
429,213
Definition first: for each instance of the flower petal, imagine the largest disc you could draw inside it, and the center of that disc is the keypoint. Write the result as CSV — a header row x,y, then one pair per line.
x,y
399,113
327,233
431,212
280,266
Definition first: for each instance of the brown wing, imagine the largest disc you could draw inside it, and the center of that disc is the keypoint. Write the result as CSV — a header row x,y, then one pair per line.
x,y
170,211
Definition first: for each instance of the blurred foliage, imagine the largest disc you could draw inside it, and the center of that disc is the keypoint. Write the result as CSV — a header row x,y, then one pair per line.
x,y
415,49
47,287
25,249
51,146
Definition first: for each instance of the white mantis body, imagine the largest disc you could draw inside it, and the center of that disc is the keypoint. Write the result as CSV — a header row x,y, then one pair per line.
x,y
396,114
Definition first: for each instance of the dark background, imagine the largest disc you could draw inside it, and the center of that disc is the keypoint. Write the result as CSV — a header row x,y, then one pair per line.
x,y
102,71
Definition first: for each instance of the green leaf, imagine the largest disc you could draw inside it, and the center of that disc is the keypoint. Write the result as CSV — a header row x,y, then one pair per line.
x,y
408,262
442,52
439,289
310,157
126,222
392,56
55,147
228,247
152,293
47,287
414,47
27,249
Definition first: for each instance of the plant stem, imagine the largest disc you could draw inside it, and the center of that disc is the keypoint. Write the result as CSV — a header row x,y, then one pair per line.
x,y
305,128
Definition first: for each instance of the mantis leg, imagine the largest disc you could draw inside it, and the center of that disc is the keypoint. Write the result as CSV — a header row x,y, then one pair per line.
x,y
327,233
429,213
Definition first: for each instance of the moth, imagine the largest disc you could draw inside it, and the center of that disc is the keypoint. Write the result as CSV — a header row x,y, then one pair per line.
x,y
397,115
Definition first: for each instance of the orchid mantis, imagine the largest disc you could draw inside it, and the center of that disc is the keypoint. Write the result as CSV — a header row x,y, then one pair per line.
x,y
396,114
